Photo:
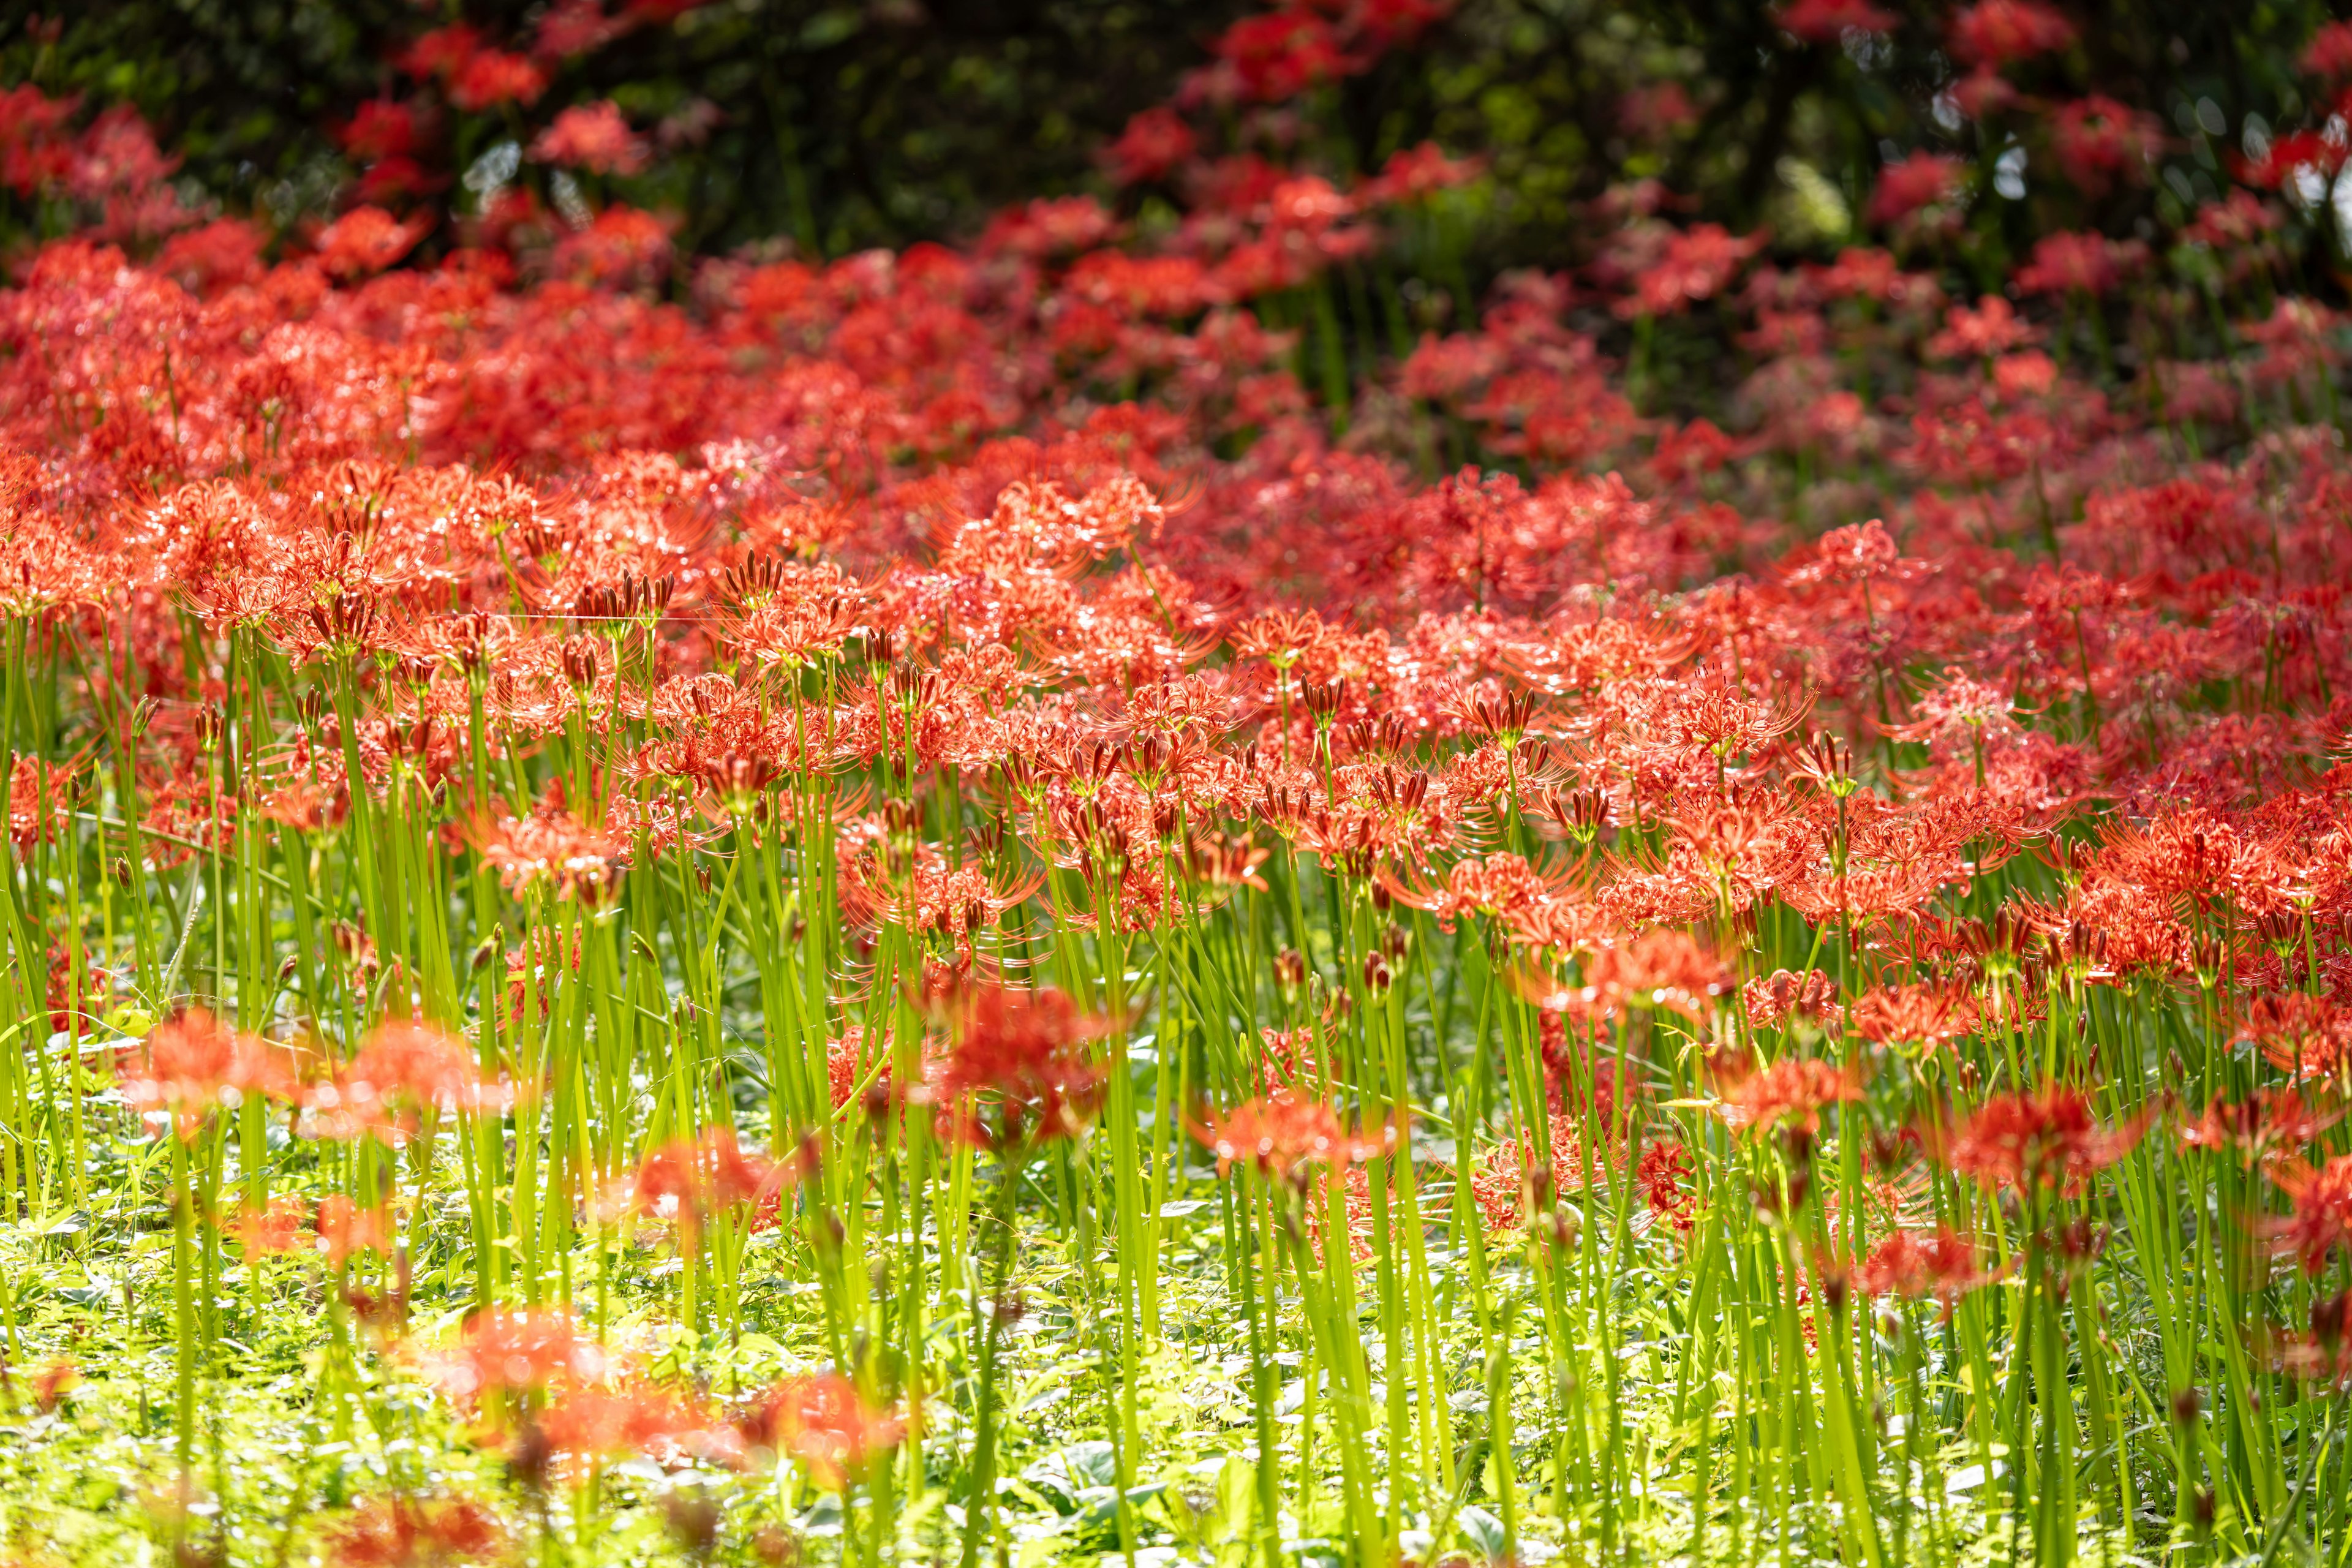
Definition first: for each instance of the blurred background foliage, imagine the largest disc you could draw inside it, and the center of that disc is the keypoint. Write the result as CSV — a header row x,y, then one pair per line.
x,y
835,127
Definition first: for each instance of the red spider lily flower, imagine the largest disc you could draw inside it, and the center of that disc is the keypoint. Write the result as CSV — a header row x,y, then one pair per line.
x,y
492,76
1154,142
380,128
2028,1139
551,848
687,1181
275,1229
1793,1091
825,1424
594,137
344,1228
398,1532
190,1063
1664,1170
1927,1015
2099,141
1282,1134
1772,1000
2321,1220
53,1382
365,240
1922,180
1275,57
441,52
2272,1125
1697,264
403,1072
1025,1052
2309,1038
1413,173
1993,328
511,1349
2088,264
631,1418
1912,1264
622,248
2003,32
1827,21
2328,56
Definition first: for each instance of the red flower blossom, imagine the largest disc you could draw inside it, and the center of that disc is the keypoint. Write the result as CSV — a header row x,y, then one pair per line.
x,y
344,1228
1025,1052
689,1181
2270,1125
1665,1166
591,136
507,1348
1922,180
366,240
193,1062
1281,1135
400,1531
825,1424
2099,141
1696,265
2044,1139
1827,21
1913,1264
1793,1091
489,78
2003,32
1154,142
2322,1221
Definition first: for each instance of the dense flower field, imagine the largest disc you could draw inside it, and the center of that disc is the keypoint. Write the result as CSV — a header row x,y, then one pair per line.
x,y
1089,898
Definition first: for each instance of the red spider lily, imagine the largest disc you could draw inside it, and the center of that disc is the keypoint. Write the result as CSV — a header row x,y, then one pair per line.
x,y
2322,1221
1154,142
2001,32
53,1382
344,1227
594,1422
551,848
274,1229
493,77
1793,1091
1282,1134
689,1180
2031,1140
364,241
1922,180
2272,1125
1827,21
510,1349
1697,266
380,128
825,1424
2087,264
1928,1014
1665,1166
2328,56
190,1063
594,137
1914,1264
399,1531
405,1071
1992,328
2099,141
1027,1052
1772,1000
2309,1038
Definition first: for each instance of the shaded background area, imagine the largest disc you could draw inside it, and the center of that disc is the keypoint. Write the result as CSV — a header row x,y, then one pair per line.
x,y
838,127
